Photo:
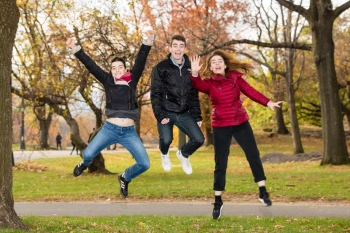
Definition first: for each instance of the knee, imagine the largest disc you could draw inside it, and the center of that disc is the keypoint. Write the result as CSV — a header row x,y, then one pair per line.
x,y
87,155
167,140
199,140
145,166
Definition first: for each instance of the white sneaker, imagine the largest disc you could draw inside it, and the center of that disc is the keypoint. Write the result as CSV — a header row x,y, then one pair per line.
x,y
166,163
186,166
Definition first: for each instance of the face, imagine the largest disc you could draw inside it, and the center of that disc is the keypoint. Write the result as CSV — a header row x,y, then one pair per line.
x,y
177,49
217,65
118,69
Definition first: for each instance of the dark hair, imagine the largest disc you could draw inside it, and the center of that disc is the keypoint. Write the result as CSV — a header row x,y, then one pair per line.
x,y
119,59
178,37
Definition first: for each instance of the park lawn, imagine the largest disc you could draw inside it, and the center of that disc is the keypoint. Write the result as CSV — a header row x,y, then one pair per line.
x,y
178,224
51,179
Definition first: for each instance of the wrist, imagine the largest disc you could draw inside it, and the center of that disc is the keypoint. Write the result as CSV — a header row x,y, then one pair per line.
x,y
194,74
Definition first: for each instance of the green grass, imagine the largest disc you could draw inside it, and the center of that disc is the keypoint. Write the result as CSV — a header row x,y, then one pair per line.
x,y
288,182
51,179
175,224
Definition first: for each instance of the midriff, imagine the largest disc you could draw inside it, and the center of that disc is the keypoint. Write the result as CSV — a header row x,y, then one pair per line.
x,y
121,121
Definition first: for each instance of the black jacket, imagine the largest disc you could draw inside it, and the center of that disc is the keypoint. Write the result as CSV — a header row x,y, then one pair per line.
x,y
172,90
118,97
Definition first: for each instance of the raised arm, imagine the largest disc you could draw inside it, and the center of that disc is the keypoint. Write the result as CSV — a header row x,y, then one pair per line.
x,y
91,65
141,57
197,82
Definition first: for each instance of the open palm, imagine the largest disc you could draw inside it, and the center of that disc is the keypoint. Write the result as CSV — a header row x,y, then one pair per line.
x,y
195,66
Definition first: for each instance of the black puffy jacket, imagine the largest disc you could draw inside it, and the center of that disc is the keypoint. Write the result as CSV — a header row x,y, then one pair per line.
x,y
172,90
118,97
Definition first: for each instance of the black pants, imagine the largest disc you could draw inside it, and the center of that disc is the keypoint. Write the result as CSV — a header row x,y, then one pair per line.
x,y
245,138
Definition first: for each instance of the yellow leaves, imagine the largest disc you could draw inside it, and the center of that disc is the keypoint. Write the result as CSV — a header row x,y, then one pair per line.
x,y
142,224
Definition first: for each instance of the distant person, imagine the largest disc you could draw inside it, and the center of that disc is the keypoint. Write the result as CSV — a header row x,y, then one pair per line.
x,y
59,140
121,111
224,85
74,147
175,102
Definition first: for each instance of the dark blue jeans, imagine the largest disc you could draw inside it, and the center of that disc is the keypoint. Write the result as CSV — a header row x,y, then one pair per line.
x,y
187,124
245,138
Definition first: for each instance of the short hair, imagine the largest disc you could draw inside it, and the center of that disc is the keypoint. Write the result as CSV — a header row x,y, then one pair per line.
x,y
178,37
119,59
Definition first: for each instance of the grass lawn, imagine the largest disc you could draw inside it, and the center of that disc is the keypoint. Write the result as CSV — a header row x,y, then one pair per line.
x,y
51,179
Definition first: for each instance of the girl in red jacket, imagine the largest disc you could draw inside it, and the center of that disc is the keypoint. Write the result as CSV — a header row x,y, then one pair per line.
x,y
229,119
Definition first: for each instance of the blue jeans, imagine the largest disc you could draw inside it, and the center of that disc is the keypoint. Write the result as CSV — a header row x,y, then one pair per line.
x,y
127,137
187,124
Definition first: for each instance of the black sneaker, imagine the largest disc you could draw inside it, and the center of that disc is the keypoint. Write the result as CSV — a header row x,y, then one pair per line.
x,y
217,209
79,169
265,199
123,185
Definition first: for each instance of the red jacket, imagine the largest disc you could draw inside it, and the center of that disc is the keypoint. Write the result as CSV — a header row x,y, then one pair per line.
x,y
224,94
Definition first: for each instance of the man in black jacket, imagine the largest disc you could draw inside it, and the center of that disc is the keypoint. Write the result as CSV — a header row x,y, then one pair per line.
x,y
175,102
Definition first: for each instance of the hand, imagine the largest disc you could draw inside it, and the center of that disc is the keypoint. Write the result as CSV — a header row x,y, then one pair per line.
x,y
272,105
70,43
150,34
165,121
199,123
195,66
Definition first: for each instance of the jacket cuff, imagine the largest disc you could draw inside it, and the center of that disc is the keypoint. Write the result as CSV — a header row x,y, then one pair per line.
x,y
147,41
76,49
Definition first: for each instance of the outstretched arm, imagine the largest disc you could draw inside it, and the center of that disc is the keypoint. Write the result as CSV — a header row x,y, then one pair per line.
x,y
272,104
94,69
141,57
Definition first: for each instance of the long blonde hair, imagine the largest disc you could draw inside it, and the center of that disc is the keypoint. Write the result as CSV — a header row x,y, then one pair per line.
x,y
231,63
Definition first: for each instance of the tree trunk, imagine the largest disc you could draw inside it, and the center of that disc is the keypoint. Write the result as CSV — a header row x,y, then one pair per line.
x,y
209,136
334,143
280,124
9,17
97,164
44,125
297,144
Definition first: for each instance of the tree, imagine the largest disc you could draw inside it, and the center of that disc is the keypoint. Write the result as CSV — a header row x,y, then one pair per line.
x,y
9,17
320,17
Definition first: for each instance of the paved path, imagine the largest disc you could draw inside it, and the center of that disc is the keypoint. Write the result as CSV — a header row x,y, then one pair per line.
x,y
180,209
37,154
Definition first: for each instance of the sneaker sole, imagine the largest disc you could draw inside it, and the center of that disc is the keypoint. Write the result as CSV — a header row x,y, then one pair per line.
x,y
220,212
262,201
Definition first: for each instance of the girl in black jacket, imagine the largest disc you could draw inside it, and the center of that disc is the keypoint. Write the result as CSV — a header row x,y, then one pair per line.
x,y
121,111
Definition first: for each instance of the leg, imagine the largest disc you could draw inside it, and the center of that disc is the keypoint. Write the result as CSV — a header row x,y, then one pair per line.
x,y
105,137
165,136
222,140
131,141
245,138
187,124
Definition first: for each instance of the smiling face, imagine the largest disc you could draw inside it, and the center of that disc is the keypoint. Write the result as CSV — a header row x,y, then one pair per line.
x,y
217,65
118,69
177,50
